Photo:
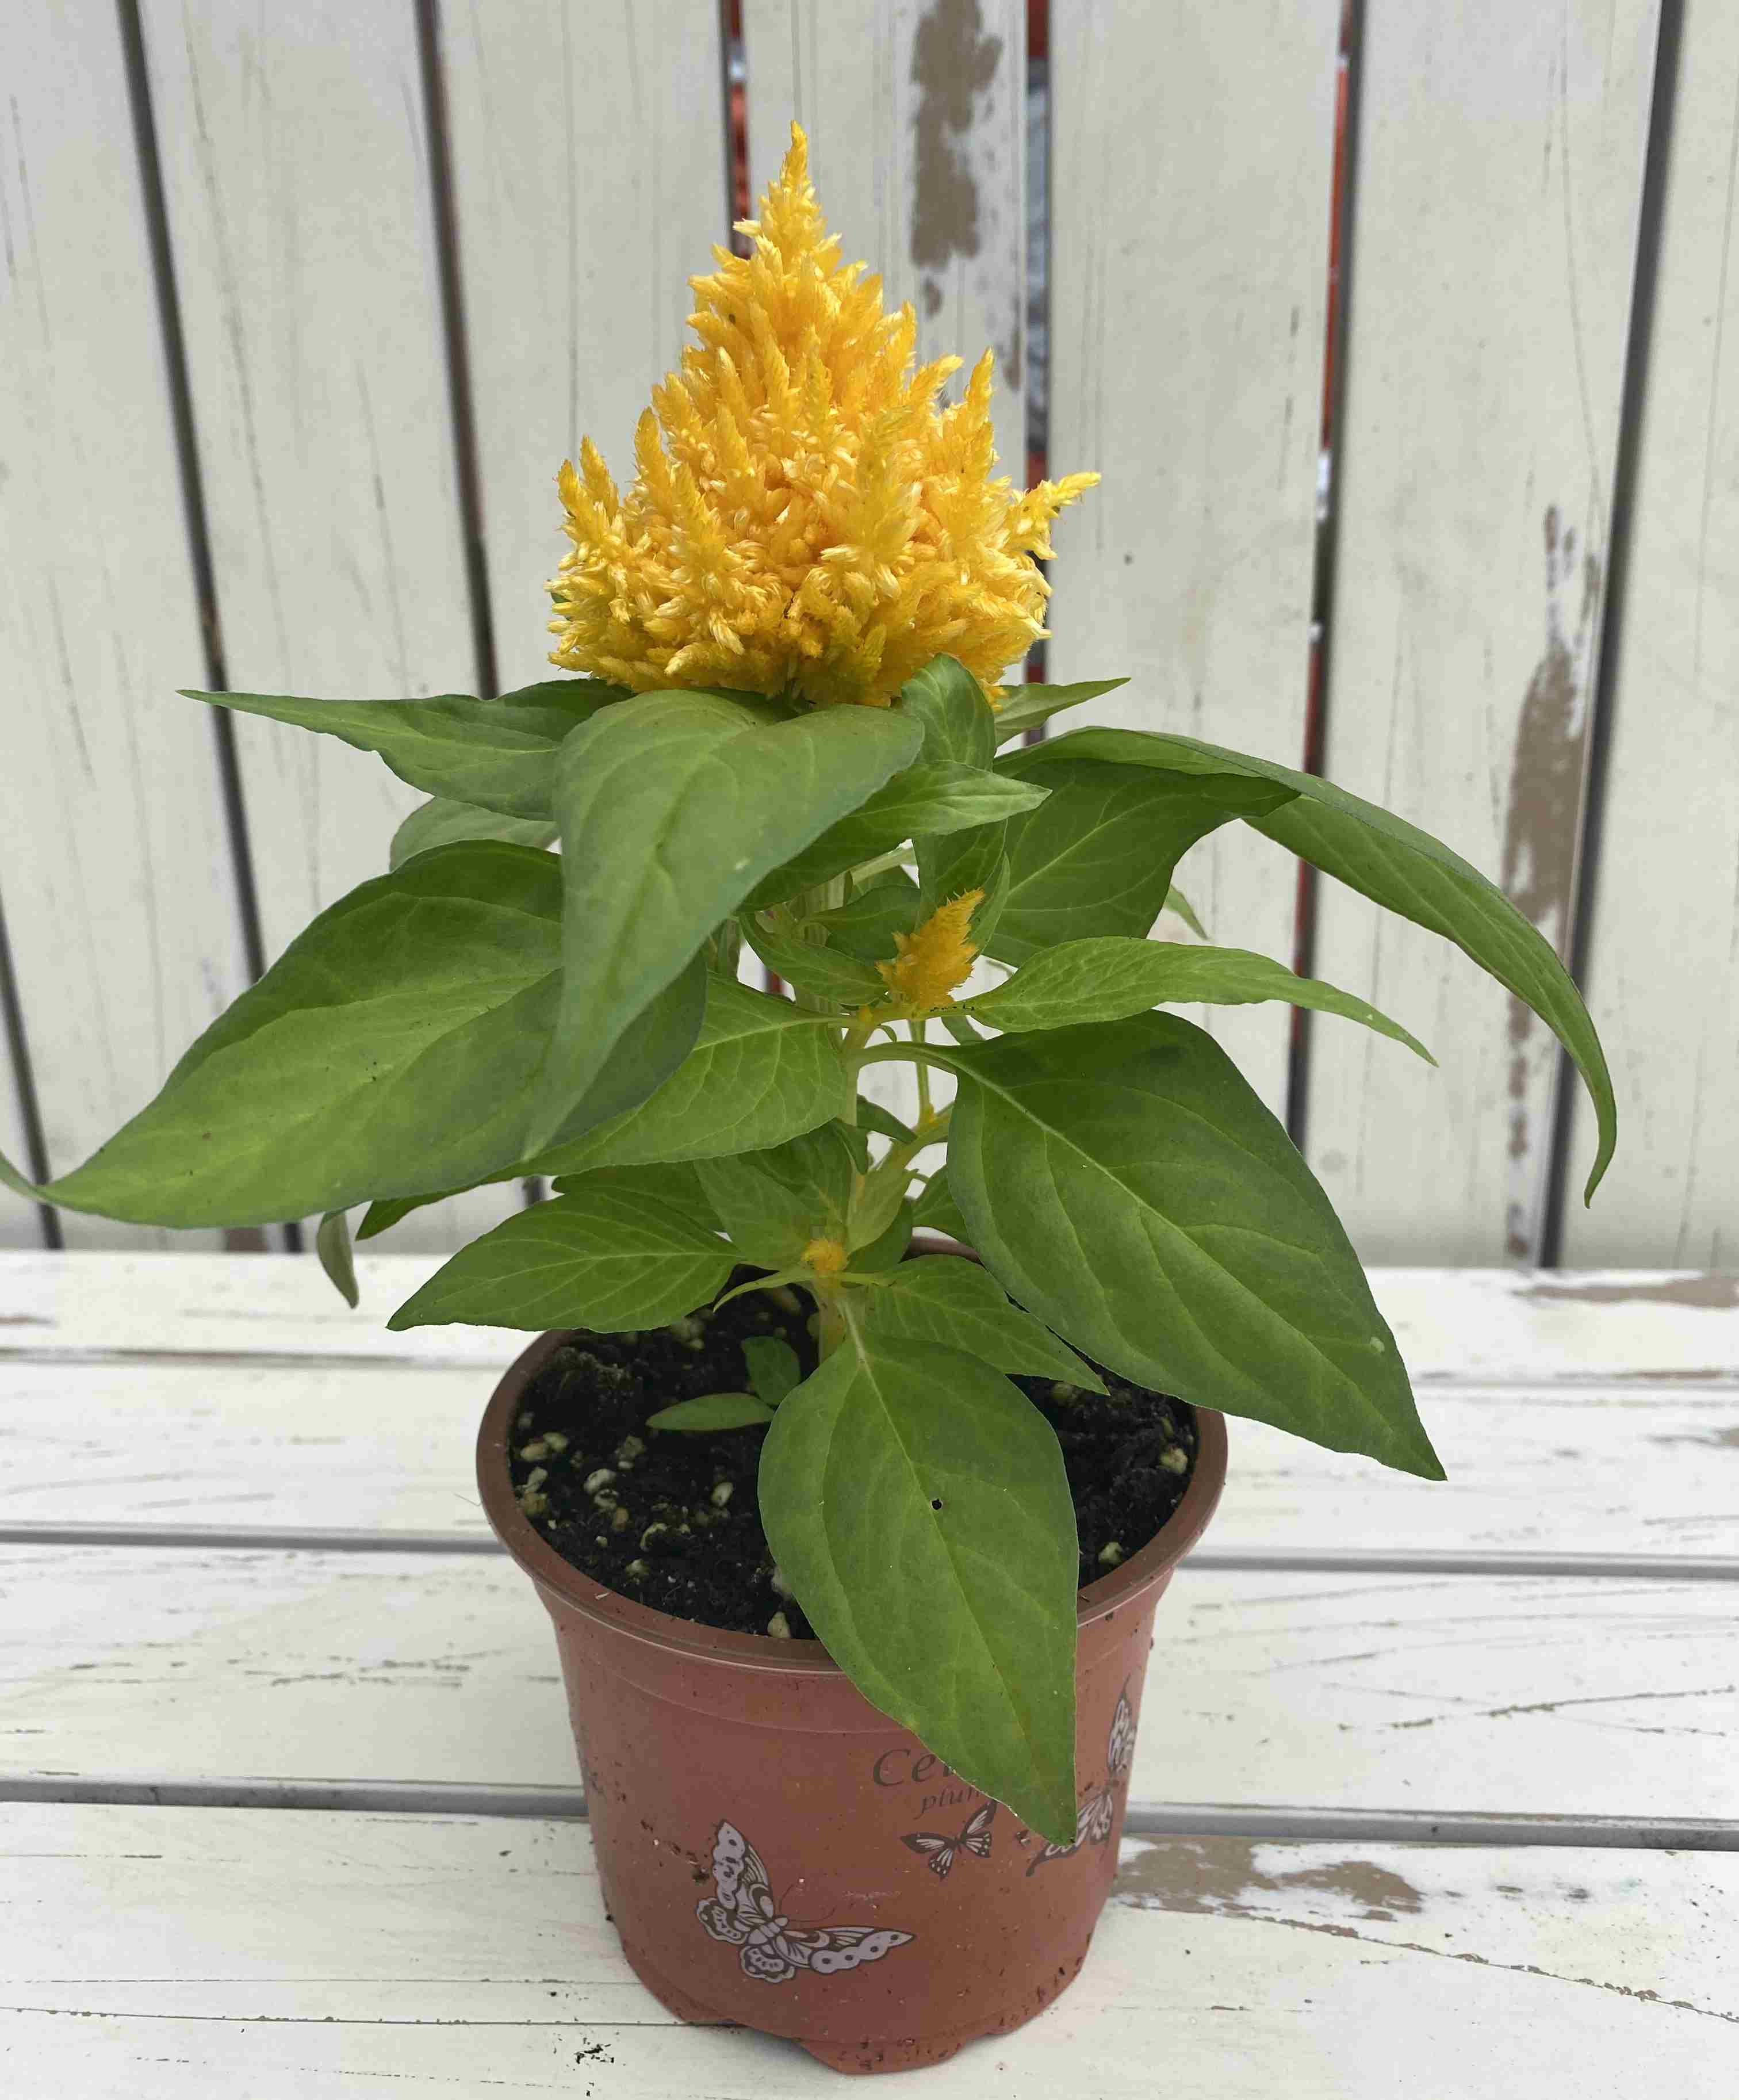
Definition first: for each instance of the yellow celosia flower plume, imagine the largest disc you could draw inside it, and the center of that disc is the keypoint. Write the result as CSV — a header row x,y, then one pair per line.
x,y
935,958
806,520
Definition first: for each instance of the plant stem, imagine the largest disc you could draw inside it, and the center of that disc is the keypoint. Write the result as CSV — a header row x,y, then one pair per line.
x,y
919,1027
835,1323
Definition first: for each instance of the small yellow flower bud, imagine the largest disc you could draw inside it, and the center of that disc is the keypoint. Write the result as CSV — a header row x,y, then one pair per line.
x,y
826,1257
936,959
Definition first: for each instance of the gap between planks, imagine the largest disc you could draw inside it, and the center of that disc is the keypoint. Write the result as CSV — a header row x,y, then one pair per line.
x,y
1279,1823
1293,1560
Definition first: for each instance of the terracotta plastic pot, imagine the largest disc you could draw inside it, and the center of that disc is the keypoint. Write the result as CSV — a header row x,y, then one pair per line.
x,y
775,1852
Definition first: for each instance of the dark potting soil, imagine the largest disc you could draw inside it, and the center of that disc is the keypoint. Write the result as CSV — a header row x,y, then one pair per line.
x,y
669,1517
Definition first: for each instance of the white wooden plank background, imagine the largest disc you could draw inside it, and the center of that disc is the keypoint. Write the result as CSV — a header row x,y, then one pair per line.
x,y
1500,160
114,859
1192,155
139,1946
1484,1326
1664,977
296,170
1514,1695
174,1952
588,164
1523,1695
1638,1468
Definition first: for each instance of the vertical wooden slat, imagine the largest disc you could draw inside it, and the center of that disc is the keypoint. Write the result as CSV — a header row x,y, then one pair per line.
x,y
1191,166
1501,156
121,903
916,113
296,174
1663,974
588,174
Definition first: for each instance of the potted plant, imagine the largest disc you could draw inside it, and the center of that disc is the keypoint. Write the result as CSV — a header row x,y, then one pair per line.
x,y
755,1418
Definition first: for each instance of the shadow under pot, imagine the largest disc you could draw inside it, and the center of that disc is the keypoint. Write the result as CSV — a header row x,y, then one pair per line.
x,y
776,1853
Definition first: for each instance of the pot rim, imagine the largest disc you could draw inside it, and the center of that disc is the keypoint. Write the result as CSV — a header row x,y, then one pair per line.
x,y
584,1594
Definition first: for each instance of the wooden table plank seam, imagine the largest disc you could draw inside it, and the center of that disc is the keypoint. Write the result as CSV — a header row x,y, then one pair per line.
x,y
1299,1560
1267,1822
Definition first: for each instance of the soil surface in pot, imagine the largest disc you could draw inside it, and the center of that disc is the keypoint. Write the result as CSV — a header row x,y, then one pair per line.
x,y
669,1517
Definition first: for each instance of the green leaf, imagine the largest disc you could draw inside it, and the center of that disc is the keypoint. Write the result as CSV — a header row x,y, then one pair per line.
x,y
608,1257
1406,872
391,1050
1177,901
711,1411
1097,857
380,1217
865,924
1124,1183
1111,978
825,973
1025,706
444,823
774,1202
497,754
948,1298
892,1483
883,1121
922,800
936,1211
674,1182
950,867
672,806
879,1198
889,1249
959,723
331,1243
773,1368
21,1184
761,1071
958,1026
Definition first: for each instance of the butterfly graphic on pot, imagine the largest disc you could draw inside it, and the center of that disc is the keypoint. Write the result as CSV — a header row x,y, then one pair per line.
x,y
940,1851
742,1914
1093,1818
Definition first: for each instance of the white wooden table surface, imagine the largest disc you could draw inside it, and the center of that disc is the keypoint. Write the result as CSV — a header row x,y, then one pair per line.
x,y
1436,1793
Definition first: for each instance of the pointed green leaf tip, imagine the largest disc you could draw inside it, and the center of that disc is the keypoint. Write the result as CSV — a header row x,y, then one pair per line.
x,y
1395,865
892,1482
331,1243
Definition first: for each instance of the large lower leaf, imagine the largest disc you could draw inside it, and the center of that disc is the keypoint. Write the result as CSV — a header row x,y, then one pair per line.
x,y
1405,871
761,1071
444,823
391,1050
916,1503
1124,1183
497,754
1112,978
672,807
946,1298
610,1256
1097,857
923,802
